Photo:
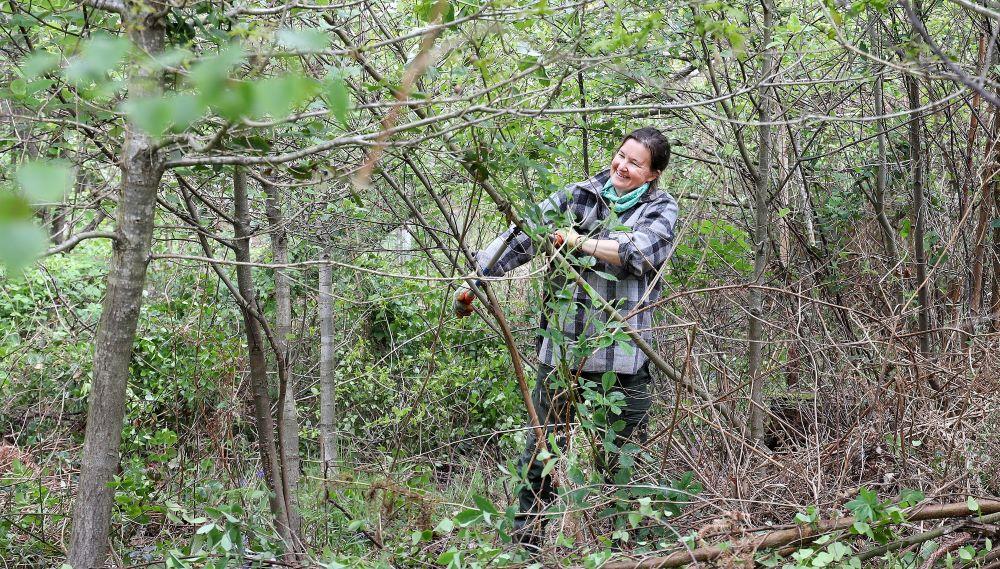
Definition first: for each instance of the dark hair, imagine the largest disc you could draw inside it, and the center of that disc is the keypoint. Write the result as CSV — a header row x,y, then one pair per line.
x,y
657,145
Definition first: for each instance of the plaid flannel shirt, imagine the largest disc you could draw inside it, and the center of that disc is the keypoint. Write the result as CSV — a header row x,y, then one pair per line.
x,y
643,249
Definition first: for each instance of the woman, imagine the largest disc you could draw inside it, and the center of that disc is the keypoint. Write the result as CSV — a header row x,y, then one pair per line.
x,y
625,225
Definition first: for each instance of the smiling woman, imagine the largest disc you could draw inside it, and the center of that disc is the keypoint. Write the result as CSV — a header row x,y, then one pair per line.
x,y
621,219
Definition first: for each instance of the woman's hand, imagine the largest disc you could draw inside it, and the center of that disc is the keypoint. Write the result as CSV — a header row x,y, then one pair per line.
x,y
462,303
604,249
569,236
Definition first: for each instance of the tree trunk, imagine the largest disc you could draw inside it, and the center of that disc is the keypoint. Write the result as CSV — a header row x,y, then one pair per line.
x,y
760,237
142,168
327,384
989,171
258,364
283,299
919,220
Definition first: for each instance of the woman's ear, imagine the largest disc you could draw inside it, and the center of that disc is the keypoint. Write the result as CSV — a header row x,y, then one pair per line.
x,y
655,175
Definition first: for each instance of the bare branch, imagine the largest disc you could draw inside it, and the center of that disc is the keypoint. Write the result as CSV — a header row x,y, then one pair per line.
x,y
116,6
72,242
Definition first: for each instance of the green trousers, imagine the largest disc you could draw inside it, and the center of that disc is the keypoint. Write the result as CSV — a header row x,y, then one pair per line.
x,y
555,407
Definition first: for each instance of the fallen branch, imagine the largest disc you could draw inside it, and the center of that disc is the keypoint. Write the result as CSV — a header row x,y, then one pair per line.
x,y
802,534
920,538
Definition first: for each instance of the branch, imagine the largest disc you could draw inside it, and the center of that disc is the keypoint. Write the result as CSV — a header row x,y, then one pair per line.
x,y
803,534
974,83
76,239
116,6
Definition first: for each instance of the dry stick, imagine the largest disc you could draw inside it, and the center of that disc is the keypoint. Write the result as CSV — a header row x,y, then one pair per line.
x,y
669,431
803,533
410,76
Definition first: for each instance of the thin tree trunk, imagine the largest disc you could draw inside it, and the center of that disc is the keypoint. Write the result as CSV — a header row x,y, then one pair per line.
x,y
995,285
761,222
283,299
327,384
258,363
881,183
990,168
784,230
919,220
142,168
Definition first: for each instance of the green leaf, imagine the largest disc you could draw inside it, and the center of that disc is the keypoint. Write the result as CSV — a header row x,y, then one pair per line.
x,y
445,526
485,505
909,497
307,40
278,96
99,56
446,557
468,517
355,525
338,97
18,87
21,241
210,75
151,114
972,504
45,181
550,465
39,63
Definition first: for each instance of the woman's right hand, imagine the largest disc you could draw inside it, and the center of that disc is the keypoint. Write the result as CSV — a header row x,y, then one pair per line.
x,y
463,298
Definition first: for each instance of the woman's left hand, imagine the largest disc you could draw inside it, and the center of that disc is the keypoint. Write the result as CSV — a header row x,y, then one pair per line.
x,y
570,236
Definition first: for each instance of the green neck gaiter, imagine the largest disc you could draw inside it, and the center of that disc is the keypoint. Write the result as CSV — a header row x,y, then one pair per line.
x,y
622,203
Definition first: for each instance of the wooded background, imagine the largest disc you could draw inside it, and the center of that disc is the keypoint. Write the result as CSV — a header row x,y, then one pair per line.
x,y
230,234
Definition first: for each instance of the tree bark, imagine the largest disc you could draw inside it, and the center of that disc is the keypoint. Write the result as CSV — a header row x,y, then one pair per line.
x,y
258,364
142,168
291,461
762,220
327,384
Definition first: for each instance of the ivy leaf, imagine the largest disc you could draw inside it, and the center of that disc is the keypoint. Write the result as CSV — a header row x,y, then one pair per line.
x,y
45,181
445,526
972,504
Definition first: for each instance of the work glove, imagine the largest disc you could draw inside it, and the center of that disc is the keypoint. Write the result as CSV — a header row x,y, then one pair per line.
x,y
462,303
463,298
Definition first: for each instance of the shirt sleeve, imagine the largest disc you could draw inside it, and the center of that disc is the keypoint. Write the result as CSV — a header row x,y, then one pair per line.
x,y
647,246
517,246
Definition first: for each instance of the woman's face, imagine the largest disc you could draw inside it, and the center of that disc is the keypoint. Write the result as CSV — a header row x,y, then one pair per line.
x,y
630,167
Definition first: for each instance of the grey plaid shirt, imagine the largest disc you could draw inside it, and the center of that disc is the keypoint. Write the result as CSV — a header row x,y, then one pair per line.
x,y
570,331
